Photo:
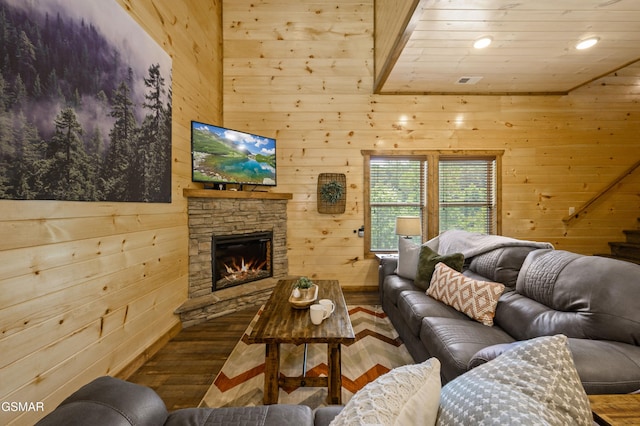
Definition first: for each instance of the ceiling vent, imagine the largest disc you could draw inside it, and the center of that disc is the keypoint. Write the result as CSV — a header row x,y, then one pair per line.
x,y
468,80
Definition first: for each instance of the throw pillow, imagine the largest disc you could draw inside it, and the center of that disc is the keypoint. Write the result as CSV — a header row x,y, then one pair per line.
x,y
533,383
405,395
408,253
477,299
427,264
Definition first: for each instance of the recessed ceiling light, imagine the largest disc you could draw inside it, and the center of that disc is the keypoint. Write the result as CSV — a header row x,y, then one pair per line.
x,y
587,43
483,42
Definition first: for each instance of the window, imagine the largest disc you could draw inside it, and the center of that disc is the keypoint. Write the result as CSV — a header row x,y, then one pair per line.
x,y
447,190
396,189
467,195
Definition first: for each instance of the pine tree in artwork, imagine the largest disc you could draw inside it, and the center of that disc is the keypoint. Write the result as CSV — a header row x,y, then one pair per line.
x,y
69,173
119,178
154,145
165,131
28,166
7,149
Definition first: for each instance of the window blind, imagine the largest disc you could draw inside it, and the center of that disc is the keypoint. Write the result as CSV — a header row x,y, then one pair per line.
x,y
397,188
467,194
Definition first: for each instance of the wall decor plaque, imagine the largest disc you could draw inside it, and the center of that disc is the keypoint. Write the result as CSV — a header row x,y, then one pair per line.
x,y
332,193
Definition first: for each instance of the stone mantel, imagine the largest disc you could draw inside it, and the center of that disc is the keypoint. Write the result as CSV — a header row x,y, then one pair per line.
x,y
212,193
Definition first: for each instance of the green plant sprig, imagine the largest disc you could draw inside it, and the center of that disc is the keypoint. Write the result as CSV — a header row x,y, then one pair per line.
x,y
331,192
303,282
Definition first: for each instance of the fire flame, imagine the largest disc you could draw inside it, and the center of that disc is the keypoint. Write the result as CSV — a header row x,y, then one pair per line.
x,y
245,269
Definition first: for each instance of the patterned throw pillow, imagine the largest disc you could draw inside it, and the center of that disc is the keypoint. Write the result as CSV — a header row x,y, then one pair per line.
x,y
533,383
477,299
405,395
427,265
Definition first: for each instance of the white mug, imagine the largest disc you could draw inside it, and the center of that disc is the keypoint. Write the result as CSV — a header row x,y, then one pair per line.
x,y
317,313
328,305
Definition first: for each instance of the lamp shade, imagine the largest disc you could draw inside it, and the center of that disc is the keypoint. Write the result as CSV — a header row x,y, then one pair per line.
x,y
408,225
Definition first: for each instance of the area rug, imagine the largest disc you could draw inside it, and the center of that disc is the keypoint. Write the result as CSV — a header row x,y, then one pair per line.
x,y
376,350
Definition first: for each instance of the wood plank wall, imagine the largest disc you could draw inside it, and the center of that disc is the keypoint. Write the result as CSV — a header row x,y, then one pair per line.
x,y
303,72
87,288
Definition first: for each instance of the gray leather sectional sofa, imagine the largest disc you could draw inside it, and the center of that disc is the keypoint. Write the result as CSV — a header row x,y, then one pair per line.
x,y
594,301
591,300
114,402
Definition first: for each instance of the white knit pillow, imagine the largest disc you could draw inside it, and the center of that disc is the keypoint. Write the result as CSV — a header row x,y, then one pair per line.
x,y
408,255
406,395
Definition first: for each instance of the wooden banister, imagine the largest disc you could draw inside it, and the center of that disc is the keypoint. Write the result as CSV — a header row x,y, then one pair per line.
x,y
586,205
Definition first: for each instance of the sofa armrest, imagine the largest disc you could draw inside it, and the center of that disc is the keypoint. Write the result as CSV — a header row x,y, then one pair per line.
x,y
107,400
387,266
489,353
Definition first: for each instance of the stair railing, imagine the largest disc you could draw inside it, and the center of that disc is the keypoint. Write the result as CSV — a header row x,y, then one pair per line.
x,y
586,205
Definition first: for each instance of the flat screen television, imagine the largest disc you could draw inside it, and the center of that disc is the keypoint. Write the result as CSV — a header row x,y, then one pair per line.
x,y
225,156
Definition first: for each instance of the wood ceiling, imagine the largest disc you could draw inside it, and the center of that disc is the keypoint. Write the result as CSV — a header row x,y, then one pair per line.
x,y
425,46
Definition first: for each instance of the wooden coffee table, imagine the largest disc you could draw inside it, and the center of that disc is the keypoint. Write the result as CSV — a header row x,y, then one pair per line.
x,y
610,410
281,323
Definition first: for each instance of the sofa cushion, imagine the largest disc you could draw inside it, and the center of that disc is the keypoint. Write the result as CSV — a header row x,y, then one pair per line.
x,y
477,299
261,415
323,416
394,285
535,382
501,265
606,367
427,264
455,341
419,352
524,318
405,395
415,305
584,296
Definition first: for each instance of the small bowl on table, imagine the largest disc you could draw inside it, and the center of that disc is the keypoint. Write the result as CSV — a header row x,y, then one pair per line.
x,y
307,297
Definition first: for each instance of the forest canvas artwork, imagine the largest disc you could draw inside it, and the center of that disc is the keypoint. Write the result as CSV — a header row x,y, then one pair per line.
x,y
85,104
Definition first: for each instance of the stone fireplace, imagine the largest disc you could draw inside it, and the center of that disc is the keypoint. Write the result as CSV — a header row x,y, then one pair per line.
x,y
231,214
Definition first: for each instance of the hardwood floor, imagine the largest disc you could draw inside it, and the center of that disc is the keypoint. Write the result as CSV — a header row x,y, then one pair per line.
x,y
183,370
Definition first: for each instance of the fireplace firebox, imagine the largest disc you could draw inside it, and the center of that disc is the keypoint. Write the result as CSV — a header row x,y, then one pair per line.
x,y
239,259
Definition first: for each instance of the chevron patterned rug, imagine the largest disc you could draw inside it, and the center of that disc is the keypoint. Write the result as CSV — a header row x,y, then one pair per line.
x,y
377,349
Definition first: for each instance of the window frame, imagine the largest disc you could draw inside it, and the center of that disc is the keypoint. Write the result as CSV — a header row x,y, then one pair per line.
x,y
432,208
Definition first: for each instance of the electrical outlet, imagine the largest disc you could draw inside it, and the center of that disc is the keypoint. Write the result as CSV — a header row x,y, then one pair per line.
x,y
572,210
